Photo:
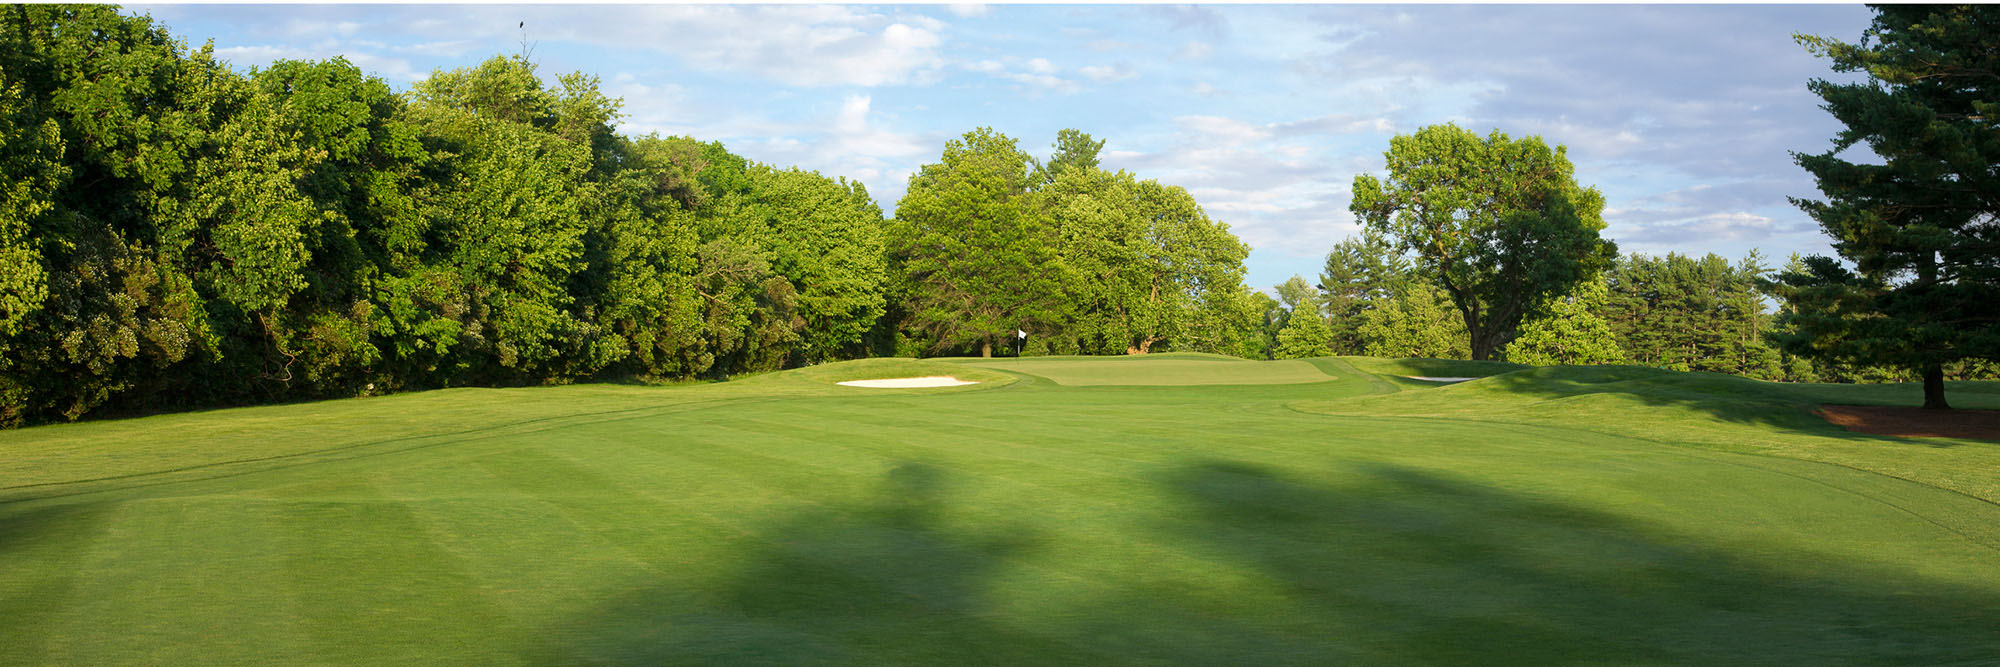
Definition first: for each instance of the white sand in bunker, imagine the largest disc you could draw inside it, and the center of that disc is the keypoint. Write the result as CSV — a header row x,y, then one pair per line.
x,y
905,383
1438,379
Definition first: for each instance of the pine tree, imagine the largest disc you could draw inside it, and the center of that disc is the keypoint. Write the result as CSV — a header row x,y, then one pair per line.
x,y
1922,228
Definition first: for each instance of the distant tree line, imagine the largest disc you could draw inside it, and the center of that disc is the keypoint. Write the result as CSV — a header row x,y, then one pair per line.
x,y
1675,312
176,234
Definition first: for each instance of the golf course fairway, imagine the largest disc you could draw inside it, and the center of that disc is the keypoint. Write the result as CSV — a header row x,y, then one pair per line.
x,y
1174,508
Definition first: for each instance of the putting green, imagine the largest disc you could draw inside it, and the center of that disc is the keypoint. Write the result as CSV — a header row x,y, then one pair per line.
x,y
1536,517
1159,370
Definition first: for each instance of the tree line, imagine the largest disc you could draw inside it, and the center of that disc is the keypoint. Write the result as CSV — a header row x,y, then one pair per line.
x,y
174,233
1676,312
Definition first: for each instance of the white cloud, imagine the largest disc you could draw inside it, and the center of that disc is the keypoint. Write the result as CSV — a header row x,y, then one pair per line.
x,y
1283,196
1226,129
655,108
1339,124
1710,228
1107,73
968,10
792,44
311,28
1195,50
853,115
1037,73
448,49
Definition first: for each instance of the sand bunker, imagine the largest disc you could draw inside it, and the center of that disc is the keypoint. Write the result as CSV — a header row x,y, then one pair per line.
x,y
905,383
1438,379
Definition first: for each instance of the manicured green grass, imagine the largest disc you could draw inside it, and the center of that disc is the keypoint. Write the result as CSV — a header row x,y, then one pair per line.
x,y
1181,509
1178,369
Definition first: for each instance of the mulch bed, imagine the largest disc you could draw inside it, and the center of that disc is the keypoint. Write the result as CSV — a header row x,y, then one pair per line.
x,y
1914,422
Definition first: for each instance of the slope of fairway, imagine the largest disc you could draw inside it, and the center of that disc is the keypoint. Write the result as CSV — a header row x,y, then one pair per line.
x,y
1533,517
1159,370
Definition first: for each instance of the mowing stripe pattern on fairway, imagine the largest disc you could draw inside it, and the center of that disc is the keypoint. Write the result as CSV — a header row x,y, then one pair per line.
x,y
1063,511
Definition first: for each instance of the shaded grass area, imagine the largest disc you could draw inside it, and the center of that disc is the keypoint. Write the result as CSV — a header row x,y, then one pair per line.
x,y
782,520
1709,410
1432,367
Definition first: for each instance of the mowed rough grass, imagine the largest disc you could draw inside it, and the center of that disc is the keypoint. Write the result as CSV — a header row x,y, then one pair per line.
x,y
1537,516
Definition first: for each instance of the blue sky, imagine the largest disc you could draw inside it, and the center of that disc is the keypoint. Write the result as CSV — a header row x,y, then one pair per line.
x,y
1683,116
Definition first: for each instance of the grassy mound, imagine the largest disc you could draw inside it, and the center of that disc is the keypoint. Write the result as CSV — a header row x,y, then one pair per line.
x,y
1538,516
1432,367
888,368
1176,369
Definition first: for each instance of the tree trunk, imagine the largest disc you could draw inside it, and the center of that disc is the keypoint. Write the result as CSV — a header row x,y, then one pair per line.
x,y
986,349
1934,387
1481,345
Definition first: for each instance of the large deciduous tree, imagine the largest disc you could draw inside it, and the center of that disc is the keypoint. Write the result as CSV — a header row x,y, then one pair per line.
x,y
1500,224
1142,265
976,255
1922,226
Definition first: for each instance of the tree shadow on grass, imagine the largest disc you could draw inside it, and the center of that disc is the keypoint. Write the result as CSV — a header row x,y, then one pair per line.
x,y
1392,565
887,580
45,532
1596,394
1430,570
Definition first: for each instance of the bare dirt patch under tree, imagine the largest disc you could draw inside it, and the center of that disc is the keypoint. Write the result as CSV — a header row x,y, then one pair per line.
x,y
1914,422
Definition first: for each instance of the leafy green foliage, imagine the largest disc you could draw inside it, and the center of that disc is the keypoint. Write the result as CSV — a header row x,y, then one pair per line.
x,y
1142,266
1074,150
1568,332
972,247
31,171
1415,321
826,239
1306,335
1499,224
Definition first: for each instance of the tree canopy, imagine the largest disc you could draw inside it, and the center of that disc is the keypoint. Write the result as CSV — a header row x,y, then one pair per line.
x,y
1499,224
970,244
